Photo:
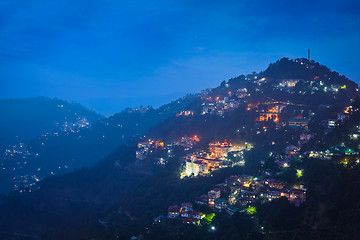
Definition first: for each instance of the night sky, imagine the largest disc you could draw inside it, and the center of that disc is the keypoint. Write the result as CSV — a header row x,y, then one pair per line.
x,y
111,54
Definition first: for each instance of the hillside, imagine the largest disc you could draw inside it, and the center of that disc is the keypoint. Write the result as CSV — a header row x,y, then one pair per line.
x,y
71,147
24,119
295,125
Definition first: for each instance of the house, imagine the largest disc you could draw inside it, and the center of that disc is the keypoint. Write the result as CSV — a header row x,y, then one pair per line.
x,y
246,180
232,180
285,193
256,185
193,214
331,123
232,198
214,193
231,210
187,206
247,196
271,195
235,189
341,150
202,200
221,204
174,211
297,196
269,116
298,122
327,155
273,183
145,147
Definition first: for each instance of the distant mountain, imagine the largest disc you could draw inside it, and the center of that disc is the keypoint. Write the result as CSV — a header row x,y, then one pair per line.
x,y
27,118
69,147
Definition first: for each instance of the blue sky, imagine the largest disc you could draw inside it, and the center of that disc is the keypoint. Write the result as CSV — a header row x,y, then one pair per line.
x,y
111,54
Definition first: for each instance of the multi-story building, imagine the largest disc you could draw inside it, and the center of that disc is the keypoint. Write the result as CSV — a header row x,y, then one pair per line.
x,y
273,183
212,195
218,150
298,122
195,167
221,204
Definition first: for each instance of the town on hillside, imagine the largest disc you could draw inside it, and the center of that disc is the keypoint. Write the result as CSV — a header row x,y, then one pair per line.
x,y
241,193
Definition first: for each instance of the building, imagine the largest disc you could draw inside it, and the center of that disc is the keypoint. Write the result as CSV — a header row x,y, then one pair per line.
x,y
271,195
212,195
285,193
187,206
273,183
144,148
193,214
196,166
174,211
221,204
246,180
218,150
210,163
298,122
231,210
327,155
202,200
247,196
331,123
232,180
232,198
269,116
297,196
256,185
